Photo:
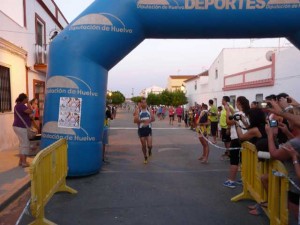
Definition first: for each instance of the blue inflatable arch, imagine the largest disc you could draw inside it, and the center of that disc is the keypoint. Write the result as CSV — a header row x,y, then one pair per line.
x,y
82,55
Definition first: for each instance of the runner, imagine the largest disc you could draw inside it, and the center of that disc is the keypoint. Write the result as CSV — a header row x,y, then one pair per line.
x,y
144,119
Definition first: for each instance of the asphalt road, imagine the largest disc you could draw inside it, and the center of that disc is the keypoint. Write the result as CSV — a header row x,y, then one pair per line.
x,y
173,188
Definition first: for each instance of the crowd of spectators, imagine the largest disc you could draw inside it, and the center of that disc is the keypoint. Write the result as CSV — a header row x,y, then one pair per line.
x,y
272,126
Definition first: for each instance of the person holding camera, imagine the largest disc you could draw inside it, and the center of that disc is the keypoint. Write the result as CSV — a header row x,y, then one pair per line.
x,y
239,117
256,128
289,155
291,117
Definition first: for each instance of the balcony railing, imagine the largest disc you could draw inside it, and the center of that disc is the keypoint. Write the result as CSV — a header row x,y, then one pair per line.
x,y
41,54
41,57
258,77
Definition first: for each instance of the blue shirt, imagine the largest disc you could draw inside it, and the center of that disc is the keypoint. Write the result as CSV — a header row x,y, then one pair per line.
x,y
144,115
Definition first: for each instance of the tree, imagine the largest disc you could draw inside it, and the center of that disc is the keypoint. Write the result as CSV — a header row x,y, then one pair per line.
x,y
117,98
153,99
136,99
166,97
179,98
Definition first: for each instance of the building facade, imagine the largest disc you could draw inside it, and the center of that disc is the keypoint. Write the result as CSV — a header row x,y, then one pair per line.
x,y
251,72
176,82
26,30
153,89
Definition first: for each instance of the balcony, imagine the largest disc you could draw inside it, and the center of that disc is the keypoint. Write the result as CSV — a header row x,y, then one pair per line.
x,y
258,77
41,58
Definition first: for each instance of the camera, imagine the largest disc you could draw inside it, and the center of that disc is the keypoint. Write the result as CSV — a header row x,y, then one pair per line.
x,y
266,105
235,117
273,123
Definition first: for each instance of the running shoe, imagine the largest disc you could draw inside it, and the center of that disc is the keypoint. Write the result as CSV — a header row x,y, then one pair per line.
x,y
145,160
229,184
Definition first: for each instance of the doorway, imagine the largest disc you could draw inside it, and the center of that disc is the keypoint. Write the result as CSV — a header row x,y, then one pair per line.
x,y
39,94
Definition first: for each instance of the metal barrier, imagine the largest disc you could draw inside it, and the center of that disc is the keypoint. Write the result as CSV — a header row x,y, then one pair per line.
x,y
252,170
48,173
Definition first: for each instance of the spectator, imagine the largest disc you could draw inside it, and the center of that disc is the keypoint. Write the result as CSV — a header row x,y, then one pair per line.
x,y
240,118
219,126
256,128
203,123
254,104
213,118
225,129
289,155
22,112
35,116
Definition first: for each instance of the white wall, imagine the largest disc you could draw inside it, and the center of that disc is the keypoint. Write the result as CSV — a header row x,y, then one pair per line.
x,y
231,61
16,64
12,30
14,10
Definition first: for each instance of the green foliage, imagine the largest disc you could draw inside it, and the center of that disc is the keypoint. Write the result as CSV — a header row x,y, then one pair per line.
x,y
153,99
166,97
117,98
179,98
136,99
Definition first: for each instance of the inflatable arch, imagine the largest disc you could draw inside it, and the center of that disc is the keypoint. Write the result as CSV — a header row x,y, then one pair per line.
x,y
83,53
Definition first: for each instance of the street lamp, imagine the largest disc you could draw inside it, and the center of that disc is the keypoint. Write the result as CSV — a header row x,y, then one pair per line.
x,y
108,96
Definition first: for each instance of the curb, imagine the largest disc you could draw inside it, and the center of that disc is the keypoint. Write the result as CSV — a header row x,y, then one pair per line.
x,y
14,192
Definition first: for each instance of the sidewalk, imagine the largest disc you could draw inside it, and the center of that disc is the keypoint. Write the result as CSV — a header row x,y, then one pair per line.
x,y
13,178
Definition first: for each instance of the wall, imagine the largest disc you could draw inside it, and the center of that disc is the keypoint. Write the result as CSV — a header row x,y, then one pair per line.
x,y
15,59
286,74
21,52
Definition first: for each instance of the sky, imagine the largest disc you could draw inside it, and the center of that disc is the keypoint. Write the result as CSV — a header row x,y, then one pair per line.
x,y
154,60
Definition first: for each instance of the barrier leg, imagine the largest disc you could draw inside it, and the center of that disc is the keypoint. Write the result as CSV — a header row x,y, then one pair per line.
x,y
244,195
42,221
65,188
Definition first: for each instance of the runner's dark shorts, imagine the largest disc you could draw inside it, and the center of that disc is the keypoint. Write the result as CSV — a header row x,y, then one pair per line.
x,y
225,136
145,132
213,128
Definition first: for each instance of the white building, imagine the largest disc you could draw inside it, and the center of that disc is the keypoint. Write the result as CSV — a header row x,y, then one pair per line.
x,y
154,89
26,29
251,72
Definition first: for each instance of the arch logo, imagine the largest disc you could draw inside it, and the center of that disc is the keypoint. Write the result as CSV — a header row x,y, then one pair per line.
x,y
216,4
105,22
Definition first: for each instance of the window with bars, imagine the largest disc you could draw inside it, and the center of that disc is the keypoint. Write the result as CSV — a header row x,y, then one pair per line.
x,y
39,33
5,91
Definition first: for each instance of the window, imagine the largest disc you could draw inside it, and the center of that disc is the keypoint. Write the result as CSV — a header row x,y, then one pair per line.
x,y
232,100
216,74
40,31
5,93
259,97
40,37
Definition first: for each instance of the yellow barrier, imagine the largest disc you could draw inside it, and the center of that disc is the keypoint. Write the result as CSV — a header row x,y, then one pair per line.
x,y
48,173
252,170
